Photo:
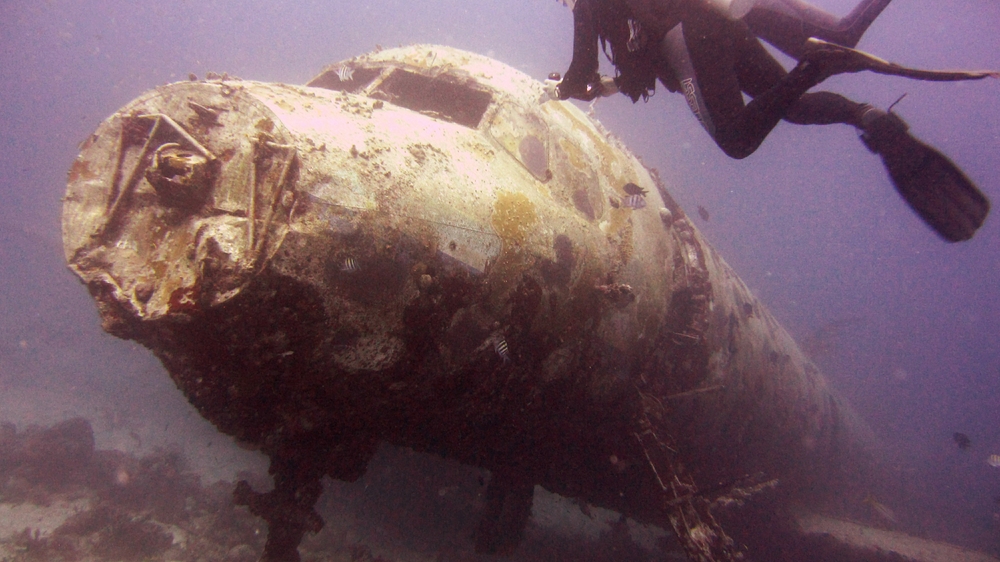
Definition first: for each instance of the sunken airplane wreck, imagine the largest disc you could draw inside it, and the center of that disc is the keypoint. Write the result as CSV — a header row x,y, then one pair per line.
x,y
420,247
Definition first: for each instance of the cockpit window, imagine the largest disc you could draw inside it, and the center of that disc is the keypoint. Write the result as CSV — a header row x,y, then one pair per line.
x,y
345,78
441,97
534,156
524,136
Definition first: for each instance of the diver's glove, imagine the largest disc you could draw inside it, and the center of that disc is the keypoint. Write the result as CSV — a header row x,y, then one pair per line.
x,y
551,86
557,89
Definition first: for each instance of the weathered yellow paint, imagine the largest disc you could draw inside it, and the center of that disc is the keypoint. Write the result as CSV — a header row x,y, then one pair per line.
x,y
513,217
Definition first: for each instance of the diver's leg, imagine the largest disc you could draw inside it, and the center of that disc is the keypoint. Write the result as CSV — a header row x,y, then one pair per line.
x,y
931,184
726,60
728,63
758,72
826,108
713,45
786,24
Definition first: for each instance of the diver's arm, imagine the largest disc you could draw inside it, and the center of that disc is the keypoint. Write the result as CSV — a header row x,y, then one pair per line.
x,y
582,76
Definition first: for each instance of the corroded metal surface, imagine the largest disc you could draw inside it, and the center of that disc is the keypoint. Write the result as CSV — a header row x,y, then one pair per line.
x,y
420,248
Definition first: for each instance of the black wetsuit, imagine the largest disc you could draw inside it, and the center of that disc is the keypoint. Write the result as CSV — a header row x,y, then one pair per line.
x,y
713,60
713,56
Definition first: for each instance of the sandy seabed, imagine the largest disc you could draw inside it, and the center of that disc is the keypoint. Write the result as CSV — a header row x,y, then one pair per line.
x,y
64,498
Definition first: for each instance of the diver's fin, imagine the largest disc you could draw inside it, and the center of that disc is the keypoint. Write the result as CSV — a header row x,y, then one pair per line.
x,y
933,186
856,61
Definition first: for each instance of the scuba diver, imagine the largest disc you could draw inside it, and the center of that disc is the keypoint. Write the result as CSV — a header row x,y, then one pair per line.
x,y
710,51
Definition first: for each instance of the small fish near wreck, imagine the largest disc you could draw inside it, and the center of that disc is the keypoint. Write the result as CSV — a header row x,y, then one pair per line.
x,y
349,265
503,351
633,189
634,202
962,440
345,74
621,320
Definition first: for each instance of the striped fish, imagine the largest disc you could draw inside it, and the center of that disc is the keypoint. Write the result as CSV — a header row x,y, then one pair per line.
x,y
350,265
345,73
993,460
633,189
500,346
634,202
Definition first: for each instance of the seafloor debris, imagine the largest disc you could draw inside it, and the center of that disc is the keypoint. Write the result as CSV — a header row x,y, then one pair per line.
x,y
109,505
